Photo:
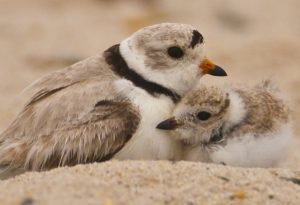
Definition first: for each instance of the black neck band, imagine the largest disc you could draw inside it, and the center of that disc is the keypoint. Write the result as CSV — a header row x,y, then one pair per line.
x,y
120,67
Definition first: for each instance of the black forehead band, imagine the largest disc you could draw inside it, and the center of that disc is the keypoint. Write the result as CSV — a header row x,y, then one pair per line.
x,y
197,38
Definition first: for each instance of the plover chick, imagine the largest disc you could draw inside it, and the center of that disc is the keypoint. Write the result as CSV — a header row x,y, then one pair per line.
x,y
108,105
248,127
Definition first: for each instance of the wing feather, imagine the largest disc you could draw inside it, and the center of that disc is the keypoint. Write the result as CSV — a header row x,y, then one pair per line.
x,y
69,122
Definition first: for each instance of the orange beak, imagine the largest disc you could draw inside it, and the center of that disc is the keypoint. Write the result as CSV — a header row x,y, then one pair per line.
x,y
208,67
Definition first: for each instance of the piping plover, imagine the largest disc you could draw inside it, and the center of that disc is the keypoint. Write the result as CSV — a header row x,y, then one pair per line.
x,y
248,126
108,105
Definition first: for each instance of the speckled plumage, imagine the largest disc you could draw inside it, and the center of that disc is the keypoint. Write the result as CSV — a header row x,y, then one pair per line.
x,y
249,126
265,110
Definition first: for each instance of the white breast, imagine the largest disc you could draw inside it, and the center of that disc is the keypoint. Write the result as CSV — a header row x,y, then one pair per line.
x,y
148,142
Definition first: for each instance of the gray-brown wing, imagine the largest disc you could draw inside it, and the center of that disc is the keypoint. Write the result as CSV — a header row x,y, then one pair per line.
x,y
92,67
98,135
80,120
94,136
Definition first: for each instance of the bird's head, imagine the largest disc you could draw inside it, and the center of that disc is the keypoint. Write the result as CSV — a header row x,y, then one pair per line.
x,y
200,116
169,54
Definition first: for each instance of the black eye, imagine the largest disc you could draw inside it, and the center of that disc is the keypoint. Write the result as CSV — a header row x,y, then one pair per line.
x,y
203,115
175,52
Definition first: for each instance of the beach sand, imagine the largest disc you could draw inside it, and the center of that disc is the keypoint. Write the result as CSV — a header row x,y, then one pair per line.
x,y
252,40
152,182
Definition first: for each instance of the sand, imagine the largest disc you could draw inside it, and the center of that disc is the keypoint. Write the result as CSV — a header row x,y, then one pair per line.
x,y
252,40
153,182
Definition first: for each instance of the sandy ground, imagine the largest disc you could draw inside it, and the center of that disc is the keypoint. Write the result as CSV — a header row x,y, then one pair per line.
x,y
252,40
137,183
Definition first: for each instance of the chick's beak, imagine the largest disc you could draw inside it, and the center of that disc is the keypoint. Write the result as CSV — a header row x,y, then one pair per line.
x,y
209,67
169,124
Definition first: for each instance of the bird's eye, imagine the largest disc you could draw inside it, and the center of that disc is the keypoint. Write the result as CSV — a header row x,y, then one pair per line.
x,y
203,115
175,52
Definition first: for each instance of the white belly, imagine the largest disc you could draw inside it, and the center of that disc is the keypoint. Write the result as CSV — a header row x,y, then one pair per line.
x,y
148,142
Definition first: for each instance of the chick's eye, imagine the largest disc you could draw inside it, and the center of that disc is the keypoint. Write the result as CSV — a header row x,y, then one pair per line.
x,y
203,115
175,52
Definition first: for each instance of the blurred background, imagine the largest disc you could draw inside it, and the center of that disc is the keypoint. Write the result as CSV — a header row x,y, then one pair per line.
x,y
252,40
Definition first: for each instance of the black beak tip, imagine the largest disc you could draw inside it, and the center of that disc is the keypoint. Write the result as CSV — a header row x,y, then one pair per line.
x,y
218,71
166,125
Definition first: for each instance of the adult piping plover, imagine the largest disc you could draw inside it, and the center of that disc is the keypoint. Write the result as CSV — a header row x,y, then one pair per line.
x,y
108,105
248,127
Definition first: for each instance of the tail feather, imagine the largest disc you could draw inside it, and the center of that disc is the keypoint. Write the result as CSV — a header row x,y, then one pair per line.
x,y
7,171
9,163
